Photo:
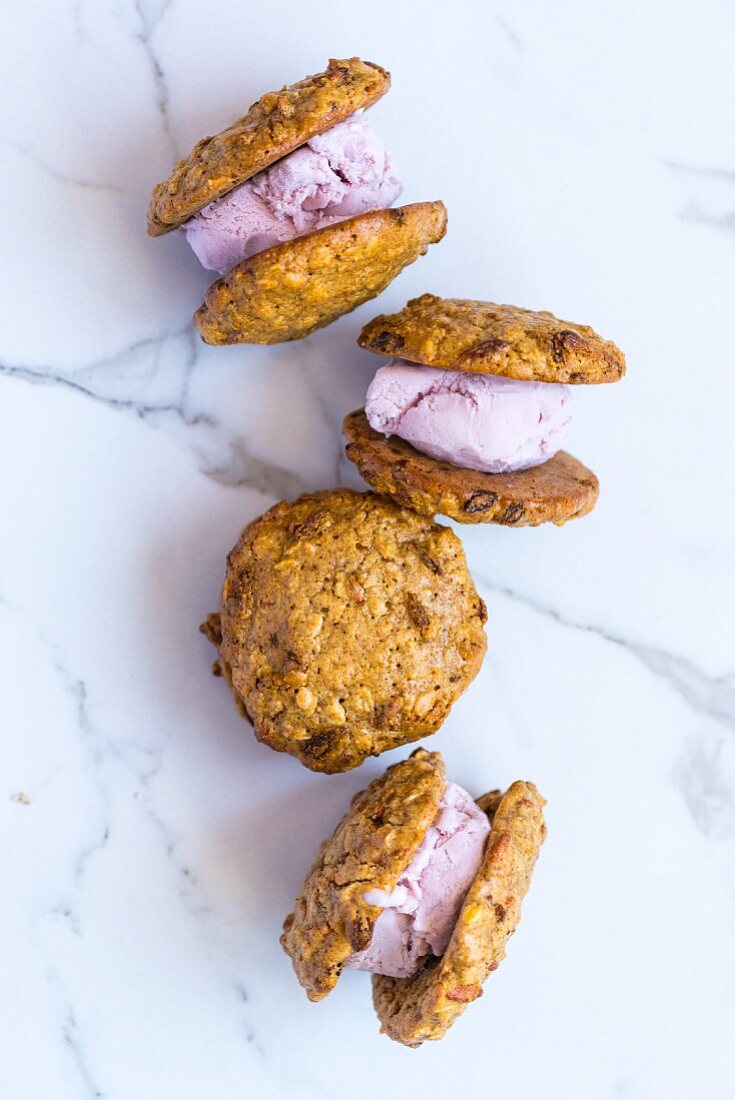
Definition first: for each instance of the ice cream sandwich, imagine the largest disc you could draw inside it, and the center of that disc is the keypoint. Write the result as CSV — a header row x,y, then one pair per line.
x,y
422,886
292,204
470,416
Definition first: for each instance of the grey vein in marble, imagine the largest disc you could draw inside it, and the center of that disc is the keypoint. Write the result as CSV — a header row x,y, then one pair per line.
x,y
727,174
509,32
693,213
150,13
70,1032
103,752
76,688
709,798
710,695
251,1037
62,177
334,428
717,212
699,777
139,367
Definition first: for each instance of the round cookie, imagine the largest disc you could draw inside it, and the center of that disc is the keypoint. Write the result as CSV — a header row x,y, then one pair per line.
x,y
373,843
412,1010
556,491
348,626
294,288
273,127
485,338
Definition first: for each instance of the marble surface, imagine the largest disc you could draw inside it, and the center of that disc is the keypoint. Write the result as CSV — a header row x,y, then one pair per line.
x,y
150,848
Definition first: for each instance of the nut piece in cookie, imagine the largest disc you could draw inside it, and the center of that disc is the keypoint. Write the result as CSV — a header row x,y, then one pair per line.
x,y
422,886
299,286
348,626
472,418
262,203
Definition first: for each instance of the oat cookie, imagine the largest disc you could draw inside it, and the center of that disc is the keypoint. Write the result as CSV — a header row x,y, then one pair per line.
x,y
348,626
375,840
273,127
288,291
485,338
558,490
412,1010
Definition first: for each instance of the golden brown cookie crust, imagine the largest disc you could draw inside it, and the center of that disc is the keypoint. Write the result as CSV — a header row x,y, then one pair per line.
x,y
371,847
485,338
273,127
558,490
348,626
412,1010
294,288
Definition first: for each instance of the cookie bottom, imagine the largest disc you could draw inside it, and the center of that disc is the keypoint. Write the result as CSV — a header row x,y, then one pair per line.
x,y
290,290
555,492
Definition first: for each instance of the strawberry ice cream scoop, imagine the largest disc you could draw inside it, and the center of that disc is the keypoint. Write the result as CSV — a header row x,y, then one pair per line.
x,y
420,913
476,421
336,175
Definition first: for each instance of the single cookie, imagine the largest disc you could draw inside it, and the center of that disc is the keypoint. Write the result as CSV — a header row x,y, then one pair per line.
x,y
484,338
348,626
373,843
288,291
558,490
412,1010
273,127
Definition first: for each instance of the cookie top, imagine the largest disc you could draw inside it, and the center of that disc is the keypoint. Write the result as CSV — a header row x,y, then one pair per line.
x,y
371,847
412,1010
558,490
484,338
273,127
296,287
348,626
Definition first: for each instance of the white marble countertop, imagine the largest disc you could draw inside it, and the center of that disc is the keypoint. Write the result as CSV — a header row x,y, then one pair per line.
x,y
150,847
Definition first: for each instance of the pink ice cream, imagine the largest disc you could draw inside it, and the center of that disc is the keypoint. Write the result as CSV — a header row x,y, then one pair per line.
x,y
420,913
344,172
477,421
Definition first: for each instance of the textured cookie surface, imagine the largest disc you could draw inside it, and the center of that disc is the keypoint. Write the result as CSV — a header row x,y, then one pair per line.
x,y
558,490
484,338
412,1010
370,849
348,626
290,290
273,127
